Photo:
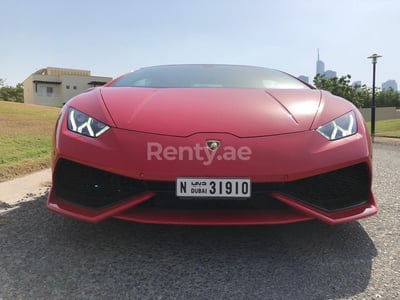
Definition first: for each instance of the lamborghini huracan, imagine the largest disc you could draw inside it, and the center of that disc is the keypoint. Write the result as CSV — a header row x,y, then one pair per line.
x,y
211,145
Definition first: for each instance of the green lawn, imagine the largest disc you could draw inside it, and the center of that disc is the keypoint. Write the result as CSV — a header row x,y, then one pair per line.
x,y
387,128
25,138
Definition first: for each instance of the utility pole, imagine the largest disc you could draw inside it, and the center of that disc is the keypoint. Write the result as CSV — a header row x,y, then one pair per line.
x,y
374,58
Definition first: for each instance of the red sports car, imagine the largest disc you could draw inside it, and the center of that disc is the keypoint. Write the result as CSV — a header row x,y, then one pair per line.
x,y
211,145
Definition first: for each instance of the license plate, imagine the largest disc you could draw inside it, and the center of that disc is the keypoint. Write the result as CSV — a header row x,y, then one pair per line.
x,y
213,187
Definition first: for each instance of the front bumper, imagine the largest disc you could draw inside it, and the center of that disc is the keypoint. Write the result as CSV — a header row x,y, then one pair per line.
x,y
334,197
295,177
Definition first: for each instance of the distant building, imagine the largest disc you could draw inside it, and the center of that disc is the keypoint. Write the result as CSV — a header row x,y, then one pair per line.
x,y
55,86
357,85
304,78
389,84
320,65
329,74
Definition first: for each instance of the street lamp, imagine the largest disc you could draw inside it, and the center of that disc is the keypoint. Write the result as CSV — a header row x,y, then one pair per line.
x,y
374,58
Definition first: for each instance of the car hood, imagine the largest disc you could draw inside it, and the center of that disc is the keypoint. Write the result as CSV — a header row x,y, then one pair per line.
x,y
186,111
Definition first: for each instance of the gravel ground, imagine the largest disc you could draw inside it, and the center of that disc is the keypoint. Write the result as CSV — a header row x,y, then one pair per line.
x,y
47,256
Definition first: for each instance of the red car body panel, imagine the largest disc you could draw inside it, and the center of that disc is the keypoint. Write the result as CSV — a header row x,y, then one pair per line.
x,y
266,115
150,127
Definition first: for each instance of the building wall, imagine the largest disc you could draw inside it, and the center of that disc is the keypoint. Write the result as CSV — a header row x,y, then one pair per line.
x,y
389,84
47,94
329,74
320,67
51,71
72,86
381,113
55,86
28,90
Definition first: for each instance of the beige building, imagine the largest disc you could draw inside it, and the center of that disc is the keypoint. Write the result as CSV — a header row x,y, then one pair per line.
x,y
55,86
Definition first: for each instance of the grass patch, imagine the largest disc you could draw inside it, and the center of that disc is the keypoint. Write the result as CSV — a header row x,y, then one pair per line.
x,y
386,128
25,138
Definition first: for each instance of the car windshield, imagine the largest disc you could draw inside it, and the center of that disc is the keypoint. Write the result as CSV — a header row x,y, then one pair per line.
x,y
209,76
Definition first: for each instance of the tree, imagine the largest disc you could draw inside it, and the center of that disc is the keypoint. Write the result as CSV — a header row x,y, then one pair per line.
x,y
359,95
388,97
10,93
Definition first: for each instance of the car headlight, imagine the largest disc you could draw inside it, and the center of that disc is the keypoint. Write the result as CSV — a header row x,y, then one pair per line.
x,y
83,124
339,128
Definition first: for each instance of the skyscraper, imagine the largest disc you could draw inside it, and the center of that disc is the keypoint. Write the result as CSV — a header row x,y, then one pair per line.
x,y
304,78
389,84
320,66
329,74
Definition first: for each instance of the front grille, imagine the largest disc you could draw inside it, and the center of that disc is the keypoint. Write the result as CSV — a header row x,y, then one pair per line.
x,y
97,189
344,188
91,187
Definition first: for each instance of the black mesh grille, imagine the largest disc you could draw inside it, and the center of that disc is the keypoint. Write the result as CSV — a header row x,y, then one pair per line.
x,y
92,187
341,189
97,189
335,190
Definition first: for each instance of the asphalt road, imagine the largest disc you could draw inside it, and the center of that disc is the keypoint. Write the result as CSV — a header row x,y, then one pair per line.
x,y
47,256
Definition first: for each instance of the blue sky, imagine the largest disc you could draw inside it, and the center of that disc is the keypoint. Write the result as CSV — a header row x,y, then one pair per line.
x,y
114,37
